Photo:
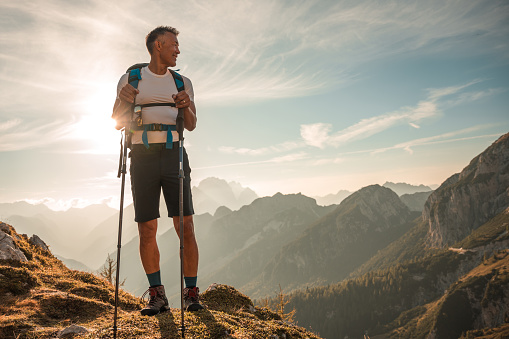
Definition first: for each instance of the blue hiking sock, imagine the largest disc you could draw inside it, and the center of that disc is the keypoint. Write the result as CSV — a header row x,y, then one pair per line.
x,y
190,281
154,279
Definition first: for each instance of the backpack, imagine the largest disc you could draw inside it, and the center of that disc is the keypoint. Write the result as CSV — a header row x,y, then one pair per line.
x,y
137,124
137,121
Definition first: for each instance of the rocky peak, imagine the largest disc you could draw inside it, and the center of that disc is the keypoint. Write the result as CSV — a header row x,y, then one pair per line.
x,y
468,199
378,204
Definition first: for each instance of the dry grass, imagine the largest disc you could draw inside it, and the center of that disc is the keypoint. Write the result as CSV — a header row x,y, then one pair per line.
x,y
41,297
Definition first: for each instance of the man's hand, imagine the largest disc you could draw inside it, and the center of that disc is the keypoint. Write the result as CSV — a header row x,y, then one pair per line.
x,y
128,93
181,99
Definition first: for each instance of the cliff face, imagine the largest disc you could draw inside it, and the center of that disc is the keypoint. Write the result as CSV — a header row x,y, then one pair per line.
x,y
467,200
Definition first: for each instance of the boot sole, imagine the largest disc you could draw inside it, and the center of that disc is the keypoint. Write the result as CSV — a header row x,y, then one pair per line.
x,y
151,313
194,307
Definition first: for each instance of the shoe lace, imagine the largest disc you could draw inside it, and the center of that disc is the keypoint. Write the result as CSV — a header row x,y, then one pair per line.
x,y
193,296
152,298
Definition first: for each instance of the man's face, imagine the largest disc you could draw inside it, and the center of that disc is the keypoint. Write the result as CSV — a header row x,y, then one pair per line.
x,y
169,49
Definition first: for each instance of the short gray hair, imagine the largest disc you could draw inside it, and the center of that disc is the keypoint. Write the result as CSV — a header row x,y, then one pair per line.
x,y
156,33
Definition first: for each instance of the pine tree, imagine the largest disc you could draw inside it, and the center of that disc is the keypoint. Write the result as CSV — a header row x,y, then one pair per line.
x,y
108,271
289,317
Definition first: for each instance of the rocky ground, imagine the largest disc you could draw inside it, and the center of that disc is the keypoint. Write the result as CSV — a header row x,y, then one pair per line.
x,y
41,298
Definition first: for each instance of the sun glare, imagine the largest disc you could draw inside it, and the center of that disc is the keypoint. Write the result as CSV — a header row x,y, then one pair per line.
x,y
95,126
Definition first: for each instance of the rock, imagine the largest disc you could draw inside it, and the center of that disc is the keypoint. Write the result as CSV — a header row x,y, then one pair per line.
x,y
9,249
467,200
5,228
72,330
36,241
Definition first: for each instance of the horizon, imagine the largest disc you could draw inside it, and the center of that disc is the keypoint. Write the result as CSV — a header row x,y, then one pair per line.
x,y
312,97
62,206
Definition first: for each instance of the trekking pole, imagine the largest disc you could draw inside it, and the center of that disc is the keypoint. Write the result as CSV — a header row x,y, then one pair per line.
x,y
180,130
121,172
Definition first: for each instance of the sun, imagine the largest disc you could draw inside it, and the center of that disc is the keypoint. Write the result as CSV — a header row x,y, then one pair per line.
x,y
95,126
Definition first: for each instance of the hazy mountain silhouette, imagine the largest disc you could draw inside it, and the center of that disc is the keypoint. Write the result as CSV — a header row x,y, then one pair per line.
x,y
415,201
65,231
233,246
403,188
332,199
212,193
338,243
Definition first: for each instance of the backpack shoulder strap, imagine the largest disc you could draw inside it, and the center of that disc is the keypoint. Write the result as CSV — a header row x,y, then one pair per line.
x,y
179,81
135,74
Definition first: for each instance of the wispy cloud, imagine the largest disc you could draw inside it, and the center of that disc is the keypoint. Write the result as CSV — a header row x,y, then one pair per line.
x,y
274,160
437,139
25,135
5,126
260,50
282,147
57,53
65,204
319,134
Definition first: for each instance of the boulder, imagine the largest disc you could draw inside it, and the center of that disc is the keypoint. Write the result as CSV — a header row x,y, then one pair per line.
x,y
72,330
9,249
36,241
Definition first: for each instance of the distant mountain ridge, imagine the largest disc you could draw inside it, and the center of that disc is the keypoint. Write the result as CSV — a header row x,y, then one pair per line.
x,y
234,245
337,243
456,288
401,188
212,193
64,231
332,199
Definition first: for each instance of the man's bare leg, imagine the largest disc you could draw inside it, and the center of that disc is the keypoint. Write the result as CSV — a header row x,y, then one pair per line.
x,y
190,245
149,252
191,292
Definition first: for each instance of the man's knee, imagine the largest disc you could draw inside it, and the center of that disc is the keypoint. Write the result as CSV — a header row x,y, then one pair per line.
x,y
147,230
188,226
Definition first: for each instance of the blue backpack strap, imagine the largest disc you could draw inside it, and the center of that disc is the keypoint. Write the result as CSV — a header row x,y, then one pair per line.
x,y
179,81
135,74
159,127
134,77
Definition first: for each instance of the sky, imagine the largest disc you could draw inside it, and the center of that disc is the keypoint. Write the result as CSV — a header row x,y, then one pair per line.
x,y
292,96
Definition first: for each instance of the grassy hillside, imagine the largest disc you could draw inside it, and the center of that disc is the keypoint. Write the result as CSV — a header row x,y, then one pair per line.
x,y
41,297
479,299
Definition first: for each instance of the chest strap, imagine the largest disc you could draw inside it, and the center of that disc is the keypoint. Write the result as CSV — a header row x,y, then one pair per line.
x,y
156,127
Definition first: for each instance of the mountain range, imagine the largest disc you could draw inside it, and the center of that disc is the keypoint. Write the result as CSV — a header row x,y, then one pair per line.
x,y
446,276
87,235
424,264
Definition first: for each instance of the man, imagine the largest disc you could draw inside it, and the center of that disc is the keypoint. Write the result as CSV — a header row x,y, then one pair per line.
x,y
155,166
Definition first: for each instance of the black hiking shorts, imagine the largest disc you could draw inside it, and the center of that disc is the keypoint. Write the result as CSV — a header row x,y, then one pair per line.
x,y
154,169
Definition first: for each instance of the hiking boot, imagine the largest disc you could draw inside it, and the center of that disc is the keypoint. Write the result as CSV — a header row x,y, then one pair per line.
x,y
157,303
192,299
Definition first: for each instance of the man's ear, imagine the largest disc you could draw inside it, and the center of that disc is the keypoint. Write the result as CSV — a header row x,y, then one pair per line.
x,y
158,45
